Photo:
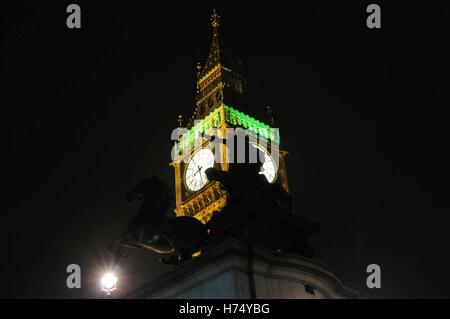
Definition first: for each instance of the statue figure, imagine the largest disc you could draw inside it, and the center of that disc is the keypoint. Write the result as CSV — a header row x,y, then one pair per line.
x,y
176,239
256,211
259,212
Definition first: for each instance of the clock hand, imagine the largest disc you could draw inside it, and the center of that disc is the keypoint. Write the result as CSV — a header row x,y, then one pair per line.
x,y
199,170
196,171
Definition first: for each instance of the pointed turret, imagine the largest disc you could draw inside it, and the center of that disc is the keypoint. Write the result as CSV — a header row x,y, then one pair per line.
x,y
215,53
219,79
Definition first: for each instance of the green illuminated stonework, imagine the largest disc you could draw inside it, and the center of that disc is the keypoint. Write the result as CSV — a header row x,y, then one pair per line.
x,y
218,117
237,118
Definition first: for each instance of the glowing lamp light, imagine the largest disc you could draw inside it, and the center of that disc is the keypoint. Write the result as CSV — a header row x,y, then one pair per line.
x,y
109,283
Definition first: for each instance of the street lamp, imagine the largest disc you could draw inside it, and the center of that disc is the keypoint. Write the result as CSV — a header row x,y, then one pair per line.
x,y
109,283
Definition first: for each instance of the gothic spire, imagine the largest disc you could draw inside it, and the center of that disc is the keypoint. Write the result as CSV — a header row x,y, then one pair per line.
x,y
219,79
215,53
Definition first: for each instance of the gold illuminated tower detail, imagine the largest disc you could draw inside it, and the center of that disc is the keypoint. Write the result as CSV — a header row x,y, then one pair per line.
x,y
221,103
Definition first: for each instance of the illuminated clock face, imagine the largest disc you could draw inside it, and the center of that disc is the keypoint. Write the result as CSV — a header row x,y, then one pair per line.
x,y
195,171
269,168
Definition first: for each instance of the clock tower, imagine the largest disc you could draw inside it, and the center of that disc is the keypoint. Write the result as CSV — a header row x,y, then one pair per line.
x,y
221,105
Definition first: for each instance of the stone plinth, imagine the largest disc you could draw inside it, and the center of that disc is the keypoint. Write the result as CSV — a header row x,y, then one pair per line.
x,y
235,270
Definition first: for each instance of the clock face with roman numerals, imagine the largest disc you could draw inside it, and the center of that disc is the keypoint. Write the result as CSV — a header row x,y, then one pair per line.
x,y
195,177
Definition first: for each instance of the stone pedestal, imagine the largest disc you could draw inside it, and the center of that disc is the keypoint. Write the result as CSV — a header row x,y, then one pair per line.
x,y
236,270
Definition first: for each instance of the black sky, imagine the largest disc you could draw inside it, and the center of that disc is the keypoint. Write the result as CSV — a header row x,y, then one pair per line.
x,y
88,113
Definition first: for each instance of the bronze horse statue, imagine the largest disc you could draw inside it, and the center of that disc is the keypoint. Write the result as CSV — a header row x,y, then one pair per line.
x,y
175,239
258,211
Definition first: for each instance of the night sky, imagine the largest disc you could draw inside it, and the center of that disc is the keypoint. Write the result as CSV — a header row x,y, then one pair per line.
x,y
88,113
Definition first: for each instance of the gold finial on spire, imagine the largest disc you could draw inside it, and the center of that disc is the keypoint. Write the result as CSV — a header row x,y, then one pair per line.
x,y
215,20
180,120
